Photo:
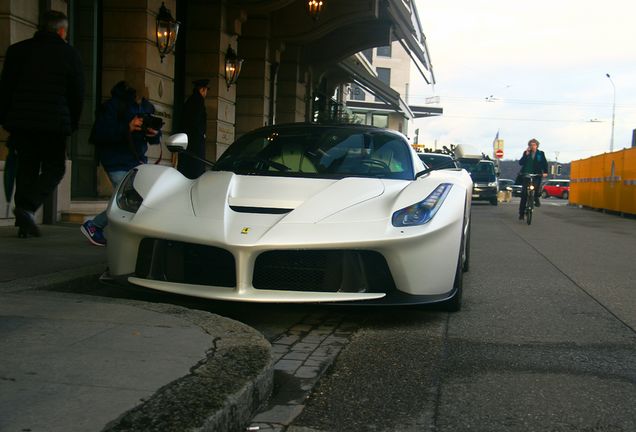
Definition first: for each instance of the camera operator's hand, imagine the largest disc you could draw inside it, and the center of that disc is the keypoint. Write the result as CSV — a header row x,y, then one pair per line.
x,y
150,132
135,124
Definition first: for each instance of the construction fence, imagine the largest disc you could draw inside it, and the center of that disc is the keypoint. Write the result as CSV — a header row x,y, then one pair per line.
x,y
606,181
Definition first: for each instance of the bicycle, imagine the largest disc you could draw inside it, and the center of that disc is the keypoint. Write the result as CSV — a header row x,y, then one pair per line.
x,y
530,191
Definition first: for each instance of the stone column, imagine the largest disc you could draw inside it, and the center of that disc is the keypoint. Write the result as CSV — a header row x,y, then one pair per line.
x,y
253,87
130,53
211,27
292,87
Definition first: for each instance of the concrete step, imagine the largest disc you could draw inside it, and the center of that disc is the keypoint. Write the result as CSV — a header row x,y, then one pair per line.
x,y
79,211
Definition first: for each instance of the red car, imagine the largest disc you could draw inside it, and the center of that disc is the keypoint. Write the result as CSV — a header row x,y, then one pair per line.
x,y
559,188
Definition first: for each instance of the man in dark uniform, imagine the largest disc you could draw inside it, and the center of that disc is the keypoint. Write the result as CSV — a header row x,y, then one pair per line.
x,y
194,125
41,96
532,161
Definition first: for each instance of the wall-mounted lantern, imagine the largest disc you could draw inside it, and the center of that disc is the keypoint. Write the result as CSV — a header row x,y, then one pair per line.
x,y
314,7
232,66
167,30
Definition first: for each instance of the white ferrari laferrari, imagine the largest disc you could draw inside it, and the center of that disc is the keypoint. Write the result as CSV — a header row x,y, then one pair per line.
x,y
297,213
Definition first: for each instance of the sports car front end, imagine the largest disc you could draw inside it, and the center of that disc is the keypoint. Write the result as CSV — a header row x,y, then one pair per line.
x,y
271,236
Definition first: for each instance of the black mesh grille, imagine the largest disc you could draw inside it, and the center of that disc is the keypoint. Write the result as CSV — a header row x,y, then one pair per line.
x,y
181,262
322,271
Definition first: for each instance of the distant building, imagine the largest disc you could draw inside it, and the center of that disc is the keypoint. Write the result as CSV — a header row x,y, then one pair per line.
x,y
387,105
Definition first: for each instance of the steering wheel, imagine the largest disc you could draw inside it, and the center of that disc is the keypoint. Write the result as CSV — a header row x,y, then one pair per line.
x,y
376,163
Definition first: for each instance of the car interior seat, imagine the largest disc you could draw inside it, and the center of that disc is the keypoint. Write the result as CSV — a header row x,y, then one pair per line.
x,y
293,156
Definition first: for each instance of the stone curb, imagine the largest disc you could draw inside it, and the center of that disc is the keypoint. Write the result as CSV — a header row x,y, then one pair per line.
x,y
52,281
221,393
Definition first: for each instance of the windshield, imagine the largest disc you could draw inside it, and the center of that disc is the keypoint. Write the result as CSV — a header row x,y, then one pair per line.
x,y
479,171
436,160
325,152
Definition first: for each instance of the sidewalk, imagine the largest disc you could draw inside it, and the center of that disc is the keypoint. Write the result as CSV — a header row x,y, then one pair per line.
x,y
73,362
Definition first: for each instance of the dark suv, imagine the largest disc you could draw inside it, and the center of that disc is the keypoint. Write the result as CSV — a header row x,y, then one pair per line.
x,y
484,175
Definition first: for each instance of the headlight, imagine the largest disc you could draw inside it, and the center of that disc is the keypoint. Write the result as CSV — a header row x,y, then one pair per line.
x,y
531,187
128,198
492,184
423,211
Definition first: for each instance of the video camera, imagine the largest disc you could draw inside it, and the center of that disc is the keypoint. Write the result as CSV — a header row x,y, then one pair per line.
x,y
151,122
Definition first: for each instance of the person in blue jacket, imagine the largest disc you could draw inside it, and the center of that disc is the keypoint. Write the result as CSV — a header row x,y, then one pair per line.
x,y
121,136
533,161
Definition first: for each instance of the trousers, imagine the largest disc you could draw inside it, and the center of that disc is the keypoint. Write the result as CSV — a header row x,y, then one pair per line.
x,y
40,166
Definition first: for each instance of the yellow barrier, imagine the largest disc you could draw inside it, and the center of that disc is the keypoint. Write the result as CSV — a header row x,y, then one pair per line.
x,y
606,181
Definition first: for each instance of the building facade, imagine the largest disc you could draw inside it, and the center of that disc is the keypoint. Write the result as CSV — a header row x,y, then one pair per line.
x,y
294,68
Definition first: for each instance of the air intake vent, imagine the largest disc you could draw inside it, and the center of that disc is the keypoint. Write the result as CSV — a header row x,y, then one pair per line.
x,y
188,263
323,271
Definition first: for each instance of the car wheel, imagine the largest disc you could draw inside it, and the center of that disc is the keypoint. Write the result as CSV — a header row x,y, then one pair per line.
x,y
493,201
545,194
565,195
466,265
454,304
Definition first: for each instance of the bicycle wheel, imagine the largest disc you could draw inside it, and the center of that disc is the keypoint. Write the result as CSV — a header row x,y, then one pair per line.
x,y
529,207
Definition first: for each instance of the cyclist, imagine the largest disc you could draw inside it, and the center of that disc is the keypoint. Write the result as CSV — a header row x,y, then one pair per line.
x,y
533,161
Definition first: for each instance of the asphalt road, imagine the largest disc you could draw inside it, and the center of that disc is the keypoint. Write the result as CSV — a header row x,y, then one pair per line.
x,y
546,340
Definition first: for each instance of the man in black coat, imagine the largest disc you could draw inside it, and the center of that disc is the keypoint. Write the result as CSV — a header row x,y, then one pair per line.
x,y
533,161
194,125
41,96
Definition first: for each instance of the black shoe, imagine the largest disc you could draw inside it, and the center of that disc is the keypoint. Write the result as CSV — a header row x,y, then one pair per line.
x,y
25,221
537,204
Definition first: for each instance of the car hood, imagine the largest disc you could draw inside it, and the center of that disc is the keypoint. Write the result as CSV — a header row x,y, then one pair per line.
x,y
300,200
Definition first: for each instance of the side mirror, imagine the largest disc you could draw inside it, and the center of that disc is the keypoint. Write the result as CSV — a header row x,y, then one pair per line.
x,y
177,143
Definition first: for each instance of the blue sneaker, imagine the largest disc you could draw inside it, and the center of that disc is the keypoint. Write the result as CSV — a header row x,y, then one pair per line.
x,y
93,233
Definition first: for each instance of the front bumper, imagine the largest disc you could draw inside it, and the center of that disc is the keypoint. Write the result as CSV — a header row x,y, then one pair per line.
x,y
484,193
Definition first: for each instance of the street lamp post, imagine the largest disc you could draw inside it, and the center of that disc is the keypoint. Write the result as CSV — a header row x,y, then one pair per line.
x,y
613,112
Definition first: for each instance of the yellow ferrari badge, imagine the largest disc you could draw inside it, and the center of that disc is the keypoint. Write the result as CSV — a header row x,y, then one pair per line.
x,y
245,230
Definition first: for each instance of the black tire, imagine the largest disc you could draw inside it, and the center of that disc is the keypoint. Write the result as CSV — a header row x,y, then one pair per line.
x,y
493,201
545,194
565,195
454,304
466,265
529,216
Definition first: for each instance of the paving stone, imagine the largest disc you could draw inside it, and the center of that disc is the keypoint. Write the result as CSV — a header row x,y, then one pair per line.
x,y
296,355
300,328
279,349
288,365
287,340
280,414
276,357
305,347
307,372
313,339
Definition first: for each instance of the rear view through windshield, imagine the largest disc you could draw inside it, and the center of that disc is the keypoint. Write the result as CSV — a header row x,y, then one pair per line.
x,y
325,152
480,171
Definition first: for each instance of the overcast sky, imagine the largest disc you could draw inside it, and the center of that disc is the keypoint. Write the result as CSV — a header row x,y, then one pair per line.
x,y
529,69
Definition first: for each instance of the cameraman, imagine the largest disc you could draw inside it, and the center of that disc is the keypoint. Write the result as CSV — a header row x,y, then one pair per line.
x,y
121,135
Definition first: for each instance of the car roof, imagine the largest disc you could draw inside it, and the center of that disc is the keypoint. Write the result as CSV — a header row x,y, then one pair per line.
x,y
350,126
